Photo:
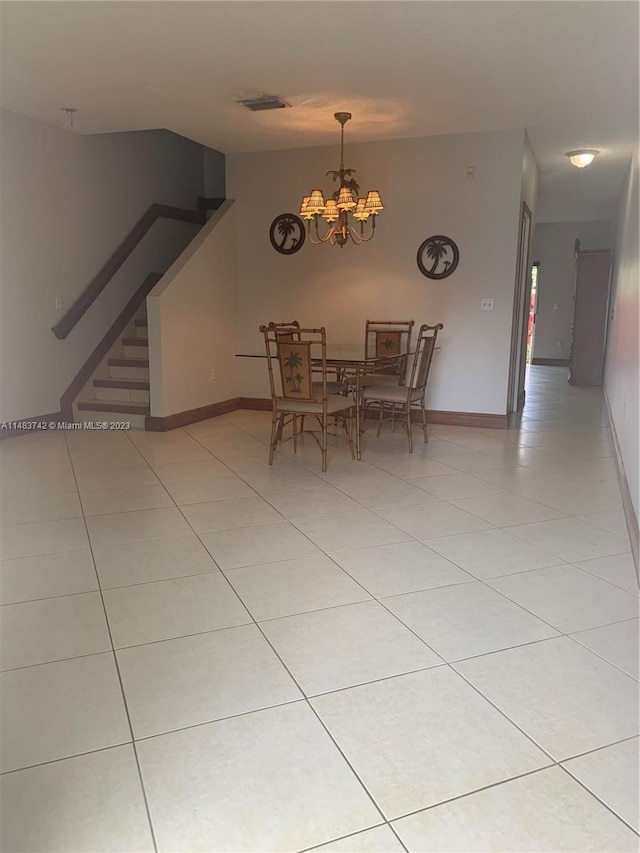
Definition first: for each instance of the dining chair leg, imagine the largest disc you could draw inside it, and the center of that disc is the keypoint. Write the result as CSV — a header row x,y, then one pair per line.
x,y
379,420
295,433
272,443
350,433
324,444
424,424
408,414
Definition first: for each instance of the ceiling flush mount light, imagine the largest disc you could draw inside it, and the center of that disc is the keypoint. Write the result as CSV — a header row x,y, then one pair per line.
x,y
344,207
263,102
582,157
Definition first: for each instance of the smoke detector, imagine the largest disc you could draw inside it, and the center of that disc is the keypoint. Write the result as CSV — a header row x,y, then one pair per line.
x,y
263,102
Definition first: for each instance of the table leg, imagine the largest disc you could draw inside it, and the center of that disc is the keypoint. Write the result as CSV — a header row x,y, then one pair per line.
x,y
358,401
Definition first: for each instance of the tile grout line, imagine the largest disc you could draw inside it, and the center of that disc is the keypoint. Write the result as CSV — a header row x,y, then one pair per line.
x,y
472,793
597,798
597,654
343,838
119,675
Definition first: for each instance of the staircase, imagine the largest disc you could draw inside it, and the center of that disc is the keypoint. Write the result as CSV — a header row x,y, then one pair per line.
x,y
118,391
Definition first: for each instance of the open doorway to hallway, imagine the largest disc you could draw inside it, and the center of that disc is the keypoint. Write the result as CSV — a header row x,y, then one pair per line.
x,y
531,326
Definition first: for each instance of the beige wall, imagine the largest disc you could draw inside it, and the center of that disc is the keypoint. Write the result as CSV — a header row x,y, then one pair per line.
x,y
426,191
622,363
66,203
553,249
192,322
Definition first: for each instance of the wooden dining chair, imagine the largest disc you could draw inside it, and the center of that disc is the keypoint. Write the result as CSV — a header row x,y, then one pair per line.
x,y
294,394
388,337
393,400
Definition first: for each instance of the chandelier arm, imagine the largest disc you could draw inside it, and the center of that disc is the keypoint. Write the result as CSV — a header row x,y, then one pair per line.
x,y
320,239
355,236
361,237
310,234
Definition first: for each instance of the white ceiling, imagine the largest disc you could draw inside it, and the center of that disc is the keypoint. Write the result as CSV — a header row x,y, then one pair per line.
x,y
567,70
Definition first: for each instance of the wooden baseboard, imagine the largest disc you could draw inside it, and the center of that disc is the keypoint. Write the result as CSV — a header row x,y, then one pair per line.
x,y
8,430
627,504
474,419
263,404
191,416
469,419
551,362
259,404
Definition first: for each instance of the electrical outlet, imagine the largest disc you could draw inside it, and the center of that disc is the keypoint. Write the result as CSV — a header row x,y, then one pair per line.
x,y
58,302
560,344
486,303
213,374
470,173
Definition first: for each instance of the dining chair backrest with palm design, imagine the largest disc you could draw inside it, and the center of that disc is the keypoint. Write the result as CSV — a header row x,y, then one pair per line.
x,y
290,331
301,355
392,400
388,337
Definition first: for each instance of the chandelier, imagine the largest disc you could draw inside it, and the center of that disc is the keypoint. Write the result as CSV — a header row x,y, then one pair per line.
x,y
344,207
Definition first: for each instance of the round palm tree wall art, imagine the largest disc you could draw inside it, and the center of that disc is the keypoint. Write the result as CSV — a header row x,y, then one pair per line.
x,y
287,233
438,257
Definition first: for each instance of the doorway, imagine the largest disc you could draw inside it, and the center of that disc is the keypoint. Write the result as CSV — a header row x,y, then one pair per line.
x,y
531,326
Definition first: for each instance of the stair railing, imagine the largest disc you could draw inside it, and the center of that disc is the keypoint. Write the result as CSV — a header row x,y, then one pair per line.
x,y
98,283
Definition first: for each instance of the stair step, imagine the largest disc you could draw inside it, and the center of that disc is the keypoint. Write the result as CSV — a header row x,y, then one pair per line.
x,y
124,408
129,362
131,384
135,342
142,323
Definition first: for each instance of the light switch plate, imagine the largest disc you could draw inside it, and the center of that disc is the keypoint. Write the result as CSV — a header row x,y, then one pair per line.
x,y
486,303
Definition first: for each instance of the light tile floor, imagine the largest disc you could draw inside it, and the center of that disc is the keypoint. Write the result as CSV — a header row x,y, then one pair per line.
x,y
427,652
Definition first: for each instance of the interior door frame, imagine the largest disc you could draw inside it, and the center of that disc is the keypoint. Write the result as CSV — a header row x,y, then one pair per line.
x,y
522,297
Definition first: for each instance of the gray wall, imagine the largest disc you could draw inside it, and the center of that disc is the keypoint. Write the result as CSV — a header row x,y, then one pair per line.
x,y
214,173
553,249
66,203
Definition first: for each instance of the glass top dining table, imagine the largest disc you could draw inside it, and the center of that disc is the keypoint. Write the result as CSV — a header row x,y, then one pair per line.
x,y
352,360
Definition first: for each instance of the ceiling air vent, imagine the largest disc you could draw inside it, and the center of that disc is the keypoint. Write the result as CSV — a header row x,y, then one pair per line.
x,y
264,102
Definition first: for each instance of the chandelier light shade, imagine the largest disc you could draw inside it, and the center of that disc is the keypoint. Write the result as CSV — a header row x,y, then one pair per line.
x,y
345,212
582,157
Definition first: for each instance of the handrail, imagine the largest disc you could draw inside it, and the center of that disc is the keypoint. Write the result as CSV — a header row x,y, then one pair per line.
x,y
106,273
117,327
